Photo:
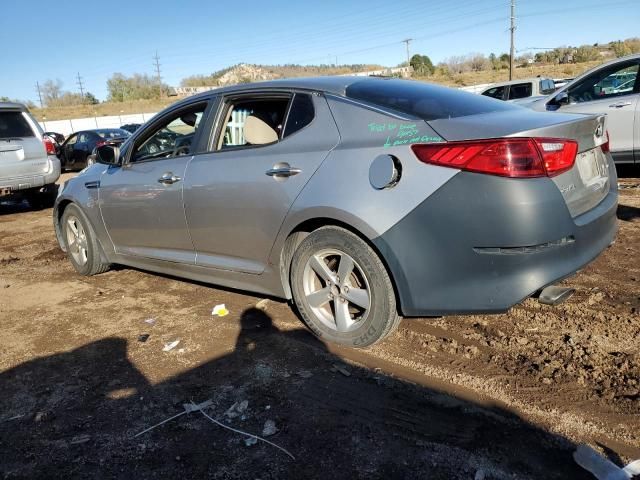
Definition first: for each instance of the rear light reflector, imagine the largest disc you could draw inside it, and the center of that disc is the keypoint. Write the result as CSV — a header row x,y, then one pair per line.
x,y
605,146
49,146
506,157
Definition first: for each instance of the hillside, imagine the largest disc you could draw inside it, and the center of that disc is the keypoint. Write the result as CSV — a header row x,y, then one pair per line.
x,y
244,73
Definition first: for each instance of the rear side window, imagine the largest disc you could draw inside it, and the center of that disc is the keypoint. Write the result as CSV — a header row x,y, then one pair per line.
x,y
495,92
423,100
300,115
520,90
13,124
253,121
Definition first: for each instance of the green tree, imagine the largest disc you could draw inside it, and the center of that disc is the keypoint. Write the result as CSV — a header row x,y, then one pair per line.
x,y
586,53
422,64
122,88
90,99
620,48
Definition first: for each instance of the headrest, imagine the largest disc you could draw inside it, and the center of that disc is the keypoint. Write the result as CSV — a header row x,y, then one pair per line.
x,y
258,132
190,119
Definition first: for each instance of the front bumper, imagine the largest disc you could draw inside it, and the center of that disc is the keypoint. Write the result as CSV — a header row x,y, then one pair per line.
x,y
481,244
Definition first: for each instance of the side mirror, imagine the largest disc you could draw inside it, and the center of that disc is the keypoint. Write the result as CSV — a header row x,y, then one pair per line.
x,y
108,155
562,98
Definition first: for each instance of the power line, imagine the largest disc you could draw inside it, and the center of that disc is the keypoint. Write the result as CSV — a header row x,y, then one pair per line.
x,y
39,92
513,30
407,41
159,78
80,86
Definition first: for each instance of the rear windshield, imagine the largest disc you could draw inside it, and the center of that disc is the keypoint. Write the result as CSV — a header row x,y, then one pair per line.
x,y
13,124
424,100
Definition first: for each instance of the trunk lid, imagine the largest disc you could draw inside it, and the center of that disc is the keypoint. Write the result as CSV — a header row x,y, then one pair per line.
x,y
582,187
22,152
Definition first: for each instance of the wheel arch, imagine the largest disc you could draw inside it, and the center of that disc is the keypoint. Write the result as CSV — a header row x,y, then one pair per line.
x,y
58,212
304,227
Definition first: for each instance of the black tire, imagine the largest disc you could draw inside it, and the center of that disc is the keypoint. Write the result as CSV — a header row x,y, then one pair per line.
x,y
370,325
43,198
94,263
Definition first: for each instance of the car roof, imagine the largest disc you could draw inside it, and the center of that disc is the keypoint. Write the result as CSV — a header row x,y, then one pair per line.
x,y
13,106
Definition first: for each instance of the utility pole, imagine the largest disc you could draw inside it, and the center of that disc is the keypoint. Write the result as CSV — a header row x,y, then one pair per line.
x,y
156,63
39,93
407,40
79,82
513,29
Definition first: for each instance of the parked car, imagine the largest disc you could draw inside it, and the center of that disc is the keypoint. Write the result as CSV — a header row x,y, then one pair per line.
x,y
612,88
74,152
131,127
361,199
517,89
28,165
57,138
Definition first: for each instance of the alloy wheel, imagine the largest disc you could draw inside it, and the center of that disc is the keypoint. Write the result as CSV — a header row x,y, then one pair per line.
x,y
336,290
76,240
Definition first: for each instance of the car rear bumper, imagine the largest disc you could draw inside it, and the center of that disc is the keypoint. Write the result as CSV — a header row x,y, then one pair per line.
x,y
482,244
25,182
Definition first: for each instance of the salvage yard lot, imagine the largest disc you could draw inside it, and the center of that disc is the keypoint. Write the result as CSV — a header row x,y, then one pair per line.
x,y
443,398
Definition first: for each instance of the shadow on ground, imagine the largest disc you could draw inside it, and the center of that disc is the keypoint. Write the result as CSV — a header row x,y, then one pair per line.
x,y
628,214
82,408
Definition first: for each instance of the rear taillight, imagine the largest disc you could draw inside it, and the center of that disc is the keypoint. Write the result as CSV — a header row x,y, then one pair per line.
x,y
605,145
100,143
49,146
507,157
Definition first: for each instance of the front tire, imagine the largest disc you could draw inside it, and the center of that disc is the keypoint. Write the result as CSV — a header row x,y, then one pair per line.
x,y
342,289
82,245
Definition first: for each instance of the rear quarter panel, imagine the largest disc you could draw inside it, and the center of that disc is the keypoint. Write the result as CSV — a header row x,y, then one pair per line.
x,y
340,189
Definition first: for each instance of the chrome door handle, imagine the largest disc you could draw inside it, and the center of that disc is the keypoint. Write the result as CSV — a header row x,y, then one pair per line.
x,y
619,104
168,178
283,170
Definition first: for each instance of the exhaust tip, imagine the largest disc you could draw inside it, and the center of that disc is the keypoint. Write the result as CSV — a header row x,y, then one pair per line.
x,y
554,295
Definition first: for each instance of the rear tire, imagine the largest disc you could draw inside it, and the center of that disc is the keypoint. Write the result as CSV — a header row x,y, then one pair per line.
x,y
81,242
358,309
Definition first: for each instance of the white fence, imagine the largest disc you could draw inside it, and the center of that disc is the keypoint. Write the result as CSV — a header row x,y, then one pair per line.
x,y
235,131
67,127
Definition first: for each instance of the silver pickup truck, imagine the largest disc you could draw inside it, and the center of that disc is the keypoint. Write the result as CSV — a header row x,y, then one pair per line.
x,y
29,167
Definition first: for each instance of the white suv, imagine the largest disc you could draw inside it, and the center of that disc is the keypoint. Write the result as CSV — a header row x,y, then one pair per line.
x,y
28,163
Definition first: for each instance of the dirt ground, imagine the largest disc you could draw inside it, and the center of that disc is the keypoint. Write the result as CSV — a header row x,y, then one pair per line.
x,y
505,396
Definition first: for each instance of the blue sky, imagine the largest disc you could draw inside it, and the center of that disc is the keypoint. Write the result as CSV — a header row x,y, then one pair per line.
x,y
201,36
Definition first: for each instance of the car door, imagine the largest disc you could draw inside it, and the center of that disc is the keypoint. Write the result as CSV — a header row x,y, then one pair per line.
x,y
67,150
82,147
141,200
614,90
236,196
